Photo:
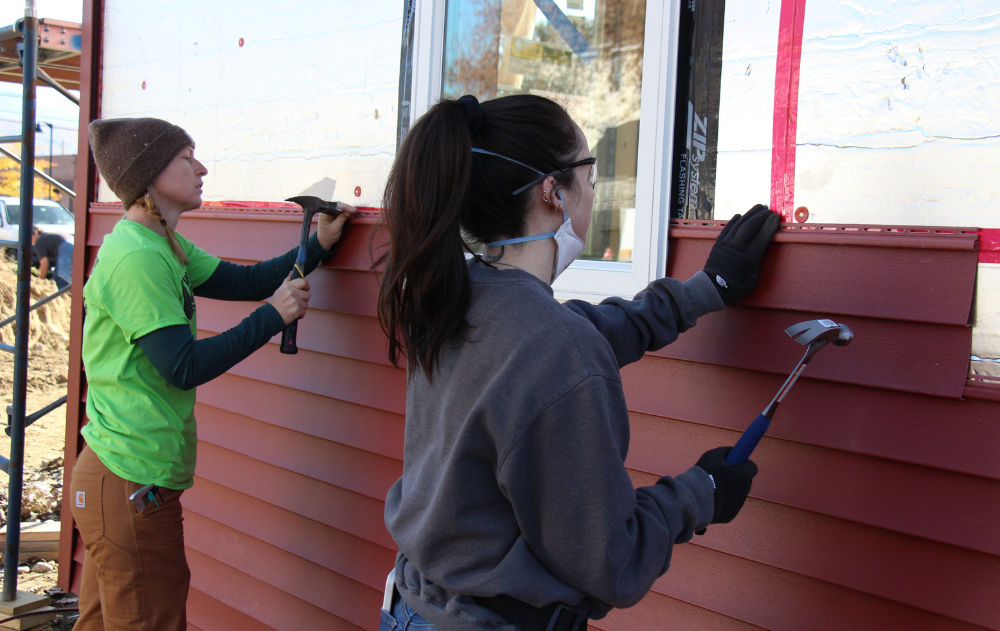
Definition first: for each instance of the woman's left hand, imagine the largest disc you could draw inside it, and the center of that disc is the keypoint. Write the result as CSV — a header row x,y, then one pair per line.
x,y
331,228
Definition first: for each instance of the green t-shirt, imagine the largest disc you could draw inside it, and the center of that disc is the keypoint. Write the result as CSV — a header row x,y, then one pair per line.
x,y
139,425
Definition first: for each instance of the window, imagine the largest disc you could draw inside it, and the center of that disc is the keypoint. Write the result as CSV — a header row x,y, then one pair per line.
x,y
608,62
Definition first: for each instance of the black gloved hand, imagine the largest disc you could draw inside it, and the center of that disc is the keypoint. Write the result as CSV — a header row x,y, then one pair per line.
x,y
734,263
732,482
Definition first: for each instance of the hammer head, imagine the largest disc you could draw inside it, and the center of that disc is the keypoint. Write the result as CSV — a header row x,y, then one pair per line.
x,y
821,332
312,205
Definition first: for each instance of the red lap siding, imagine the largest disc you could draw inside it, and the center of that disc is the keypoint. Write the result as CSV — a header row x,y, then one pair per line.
x,y
878,497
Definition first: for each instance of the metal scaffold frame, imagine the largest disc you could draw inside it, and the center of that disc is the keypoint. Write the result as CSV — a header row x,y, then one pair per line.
x,y
27,30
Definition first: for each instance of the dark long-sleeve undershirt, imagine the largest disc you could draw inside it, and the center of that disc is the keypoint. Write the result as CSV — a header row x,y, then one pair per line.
x,y
186,362
257,282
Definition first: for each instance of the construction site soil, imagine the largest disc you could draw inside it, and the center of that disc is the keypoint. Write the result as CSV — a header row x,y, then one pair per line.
x,y
48,347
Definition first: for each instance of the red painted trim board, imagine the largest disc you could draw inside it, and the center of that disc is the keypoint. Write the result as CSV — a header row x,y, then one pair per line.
x,y
989,245
786,105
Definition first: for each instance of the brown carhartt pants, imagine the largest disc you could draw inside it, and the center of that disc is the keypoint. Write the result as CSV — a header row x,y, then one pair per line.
x,y
135,575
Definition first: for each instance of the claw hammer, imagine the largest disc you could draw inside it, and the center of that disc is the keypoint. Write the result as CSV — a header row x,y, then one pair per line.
x,y
814,333
310,206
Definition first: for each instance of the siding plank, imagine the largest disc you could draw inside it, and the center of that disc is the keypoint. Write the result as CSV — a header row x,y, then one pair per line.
x,y
283,572
367,384
895,425
212,615
908,356
342,334
943,579
876,282
913,500
347,423
259,600
657,611
352,469
338,508
782,601
355,558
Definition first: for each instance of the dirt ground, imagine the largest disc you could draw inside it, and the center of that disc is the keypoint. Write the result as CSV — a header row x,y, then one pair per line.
x,y
48,344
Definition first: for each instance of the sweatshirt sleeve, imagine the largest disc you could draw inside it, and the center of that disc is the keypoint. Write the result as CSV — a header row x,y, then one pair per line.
x,y
576,506
186,362
653,318
259,281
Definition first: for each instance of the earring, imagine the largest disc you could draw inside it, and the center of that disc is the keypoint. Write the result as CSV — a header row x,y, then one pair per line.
x,y
544,199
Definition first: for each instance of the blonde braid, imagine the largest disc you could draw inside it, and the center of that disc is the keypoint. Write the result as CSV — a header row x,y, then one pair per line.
x,y
150,204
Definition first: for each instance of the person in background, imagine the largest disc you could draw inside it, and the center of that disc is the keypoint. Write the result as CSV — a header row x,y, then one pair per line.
x,y
514,506
143,361
53,250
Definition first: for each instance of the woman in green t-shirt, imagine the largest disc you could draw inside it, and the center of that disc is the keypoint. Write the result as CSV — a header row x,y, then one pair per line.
x,y
143,361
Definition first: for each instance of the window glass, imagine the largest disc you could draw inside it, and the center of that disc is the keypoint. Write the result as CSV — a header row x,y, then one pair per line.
x,y
49,215
584,54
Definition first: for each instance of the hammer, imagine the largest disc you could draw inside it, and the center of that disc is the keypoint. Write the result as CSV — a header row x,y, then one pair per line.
x,y
310,206
814,333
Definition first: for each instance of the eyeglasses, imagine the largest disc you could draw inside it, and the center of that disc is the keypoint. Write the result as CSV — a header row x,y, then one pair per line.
x,y
591,176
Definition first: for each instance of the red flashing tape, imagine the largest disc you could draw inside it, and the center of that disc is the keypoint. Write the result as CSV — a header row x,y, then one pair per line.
x,y
786,106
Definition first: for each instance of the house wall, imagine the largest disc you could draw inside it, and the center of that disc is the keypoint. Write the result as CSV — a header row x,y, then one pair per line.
x,y
278,97
877,505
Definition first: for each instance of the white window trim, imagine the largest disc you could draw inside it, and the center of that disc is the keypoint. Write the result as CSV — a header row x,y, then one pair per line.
x,y
595,280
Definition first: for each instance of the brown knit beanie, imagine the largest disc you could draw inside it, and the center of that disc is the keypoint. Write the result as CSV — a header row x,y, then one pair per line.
x,y
131,152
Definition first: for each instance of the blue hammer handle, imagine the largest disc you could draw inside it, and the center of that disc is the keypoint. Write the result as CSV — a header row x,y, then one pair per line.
x,y
741,451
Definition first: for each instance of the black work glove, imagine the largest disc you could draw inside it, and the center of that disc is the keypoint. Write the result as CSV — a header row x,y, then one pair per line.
x,y
732,483
734,263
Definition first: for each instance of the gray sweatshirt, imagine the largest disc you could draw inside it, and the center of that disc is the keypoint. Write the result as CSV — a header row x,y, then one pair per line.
x,y
514,477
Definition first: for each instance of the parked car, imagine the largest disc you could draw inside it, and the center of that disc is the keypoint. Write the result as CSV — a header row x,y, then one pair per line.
x,y
48,215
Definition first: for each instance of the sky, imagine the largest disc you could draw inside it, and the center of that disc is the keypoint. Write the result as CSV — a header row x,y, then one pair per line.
x,y
52,107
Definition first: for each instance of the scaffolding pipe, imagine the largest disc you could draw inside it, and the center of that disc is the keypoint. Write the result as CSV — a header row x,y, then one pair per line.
x,y
55,85
29,62
42,174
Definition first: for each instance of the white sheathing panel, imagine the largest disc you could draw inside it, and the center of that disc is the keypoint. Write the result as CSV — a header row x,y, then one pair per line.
x,y
897,115
746,106
311,94
986,333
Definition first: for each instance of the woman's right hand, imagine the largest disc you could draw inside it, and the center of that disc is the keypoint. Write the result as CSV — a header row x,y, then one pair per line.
x,y
291,299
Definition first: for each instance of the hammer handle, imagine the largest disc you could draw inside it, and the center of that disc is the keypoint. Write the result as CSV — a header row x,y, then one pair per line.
x,y
288,346
741,451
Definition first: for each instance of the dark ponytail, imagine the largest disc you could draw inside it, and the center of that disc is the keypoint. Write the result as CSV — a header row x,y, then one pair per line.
x,y
438,192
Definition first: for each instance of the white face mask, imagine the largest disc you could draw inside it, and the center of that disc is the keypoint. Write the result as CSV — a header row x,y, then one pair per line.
x,y
568,247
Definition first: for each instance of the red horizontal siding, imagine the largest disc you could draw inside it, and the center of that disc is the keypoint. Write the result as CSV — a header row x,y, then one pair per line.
x,y
351,512
333,549
922,279
346,467
909,356
876,505
783,601
366,428
259,600
283,572
205,612
919,429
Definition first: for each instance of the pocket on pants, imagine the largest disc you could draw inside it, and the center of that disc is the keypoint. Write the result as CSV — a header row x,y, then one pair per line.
x,y
121,595
88,510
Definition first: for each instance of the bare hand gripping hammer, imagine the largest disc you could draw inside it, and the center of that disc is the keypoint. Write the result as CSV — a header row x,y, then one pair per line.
x,y
815,333
310,206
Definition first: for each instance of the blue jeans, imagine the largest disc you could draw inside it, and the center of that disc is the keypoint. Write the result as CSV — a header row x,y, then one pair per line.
x,y
404,619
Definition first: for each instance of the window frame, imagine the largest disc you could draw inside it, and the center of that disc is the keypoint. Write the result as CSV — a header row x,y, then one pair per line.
x,y
594,281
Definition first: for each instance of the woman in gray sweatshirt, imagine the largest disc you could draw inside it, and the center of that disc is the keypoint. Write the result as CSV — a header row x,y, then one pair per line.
x,y
514,509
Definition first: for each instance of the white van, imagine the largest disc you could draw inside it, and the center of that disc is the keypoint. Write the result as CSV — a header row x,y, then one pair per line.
x,y
48,215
